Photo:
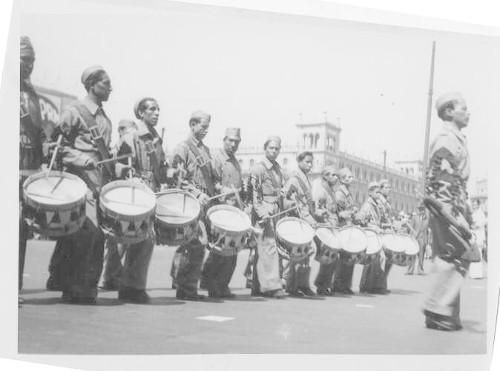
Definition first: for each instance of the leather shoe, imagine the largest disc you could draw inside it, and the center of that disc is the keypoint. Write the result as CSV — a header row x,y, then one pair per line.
x,y
228,295
108,286
307,291
344,291
256,293
324,292
181,295
295,293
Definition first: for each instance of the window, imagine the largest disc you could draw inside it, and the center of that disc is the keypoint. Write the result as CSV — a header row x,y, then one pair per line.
x,y
285,163
252,162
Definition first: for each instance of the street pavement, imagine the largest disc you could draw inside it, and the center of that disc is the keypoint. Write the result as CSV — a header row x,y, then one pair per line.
x,y
358,324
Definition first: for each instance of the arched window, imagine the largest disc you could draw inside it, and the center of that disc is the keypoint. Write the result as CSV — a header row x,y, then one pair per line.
x,y
304,140
285,163
252,162
378,177
371,176
364,174
240,162
311,140
316,139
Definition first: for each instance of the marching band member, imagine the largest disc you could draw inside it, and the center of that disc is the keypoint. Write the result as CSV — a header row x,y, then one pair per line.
x,y
420,230
194,156
149,163
449,168
218,269
80,273
266,180
370,216
31,141
298,190
323,193
346,209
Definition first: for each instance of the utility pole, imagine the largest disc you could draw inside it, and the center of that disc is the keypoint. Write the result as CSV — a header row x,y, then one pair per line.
x,y
428,124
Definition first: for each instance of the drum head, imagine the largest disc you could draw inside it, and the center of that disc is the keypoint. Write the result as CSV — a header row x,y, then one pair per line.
x,y
393,242
177,207
411,245
229,218
122,198
294,231
328,238
353,239
374,242
56,189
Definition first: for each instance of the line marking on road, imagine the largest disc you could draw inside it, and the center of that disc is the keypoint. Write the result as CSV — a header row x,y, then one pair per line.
x,y
364,306
215,318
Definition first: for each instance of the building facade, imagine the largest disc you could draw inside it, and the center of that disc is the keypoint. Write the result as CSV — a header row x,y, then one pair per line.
x,y
323,140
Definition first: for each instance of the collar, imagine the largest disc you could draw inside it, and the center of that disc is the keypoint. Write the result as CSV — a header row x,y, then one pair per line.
x,y
452,127
197,143
303,176
91,105
269,165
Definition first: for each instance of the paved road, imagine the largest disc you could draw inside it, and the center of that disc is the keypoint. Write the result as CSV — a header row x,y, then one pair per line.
x,y
359,324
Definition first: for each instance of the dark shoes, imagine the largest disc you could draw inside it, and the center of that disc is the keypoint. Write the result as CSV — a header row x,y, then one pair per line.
x,y
324,292
436,321
345,291
182,295
216,295
295,293
307,291
276,294
256,292
69,297
108,286
134,296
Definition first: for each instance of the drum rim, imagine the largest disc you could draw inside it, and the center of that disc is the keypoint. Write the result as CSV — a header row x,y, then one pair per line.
x,y
353,227
181,191
293,218
332,231
52,207
415,242
396,235
215,208
126,217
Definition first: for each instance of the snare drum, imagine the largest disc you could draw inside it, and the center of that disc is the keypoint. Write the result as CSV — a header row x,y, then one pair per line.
x,y
294,237
411,249
177,213
374,246
228,229
56,203
353,244
393,247
126,210
327,245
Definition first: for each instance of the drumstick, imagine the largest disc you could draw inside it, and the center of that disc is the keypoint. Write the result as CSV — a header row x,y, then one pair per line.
x,y
184,204
131,179
53,159
298,212
124,203
44,196
221,195
278,214
113,159
57,184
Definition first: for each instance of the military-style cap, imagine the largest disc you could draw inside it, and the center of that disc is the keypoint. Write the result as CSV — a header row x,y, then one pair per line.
x,y
446,98
344,172
274,138
383,182
233,132
26,46
125,124
200,115
89,72
373,185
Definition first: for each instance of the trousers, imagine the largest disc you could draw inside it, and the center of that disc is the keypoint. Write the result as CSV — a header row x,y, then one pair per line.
x,y
217,272
267,275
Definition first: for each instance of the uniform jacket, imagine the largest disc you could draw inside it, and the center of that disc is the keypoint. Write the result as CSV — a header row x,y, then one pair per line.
x,y
227,171
420,227
345,205
324,200
267,192
449,168
369,214
183,155
32,135
304,196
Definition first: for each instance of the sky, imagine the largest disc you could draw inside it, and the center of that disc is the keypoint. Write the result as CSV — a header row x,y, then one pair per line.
x,y
263,72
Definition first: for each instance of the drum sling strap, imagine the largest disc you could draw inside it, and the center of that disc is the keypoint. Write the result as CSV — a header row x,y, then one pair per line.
x,y
276,186
204,167
306,192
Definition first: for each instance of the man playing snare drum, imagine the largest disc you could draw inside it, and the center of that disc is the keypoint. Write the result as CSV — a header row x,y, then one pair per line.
x,y
31,139
370,216
323,193
83,148
346,209
218,269
194,156
266,182
149,164
298,192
